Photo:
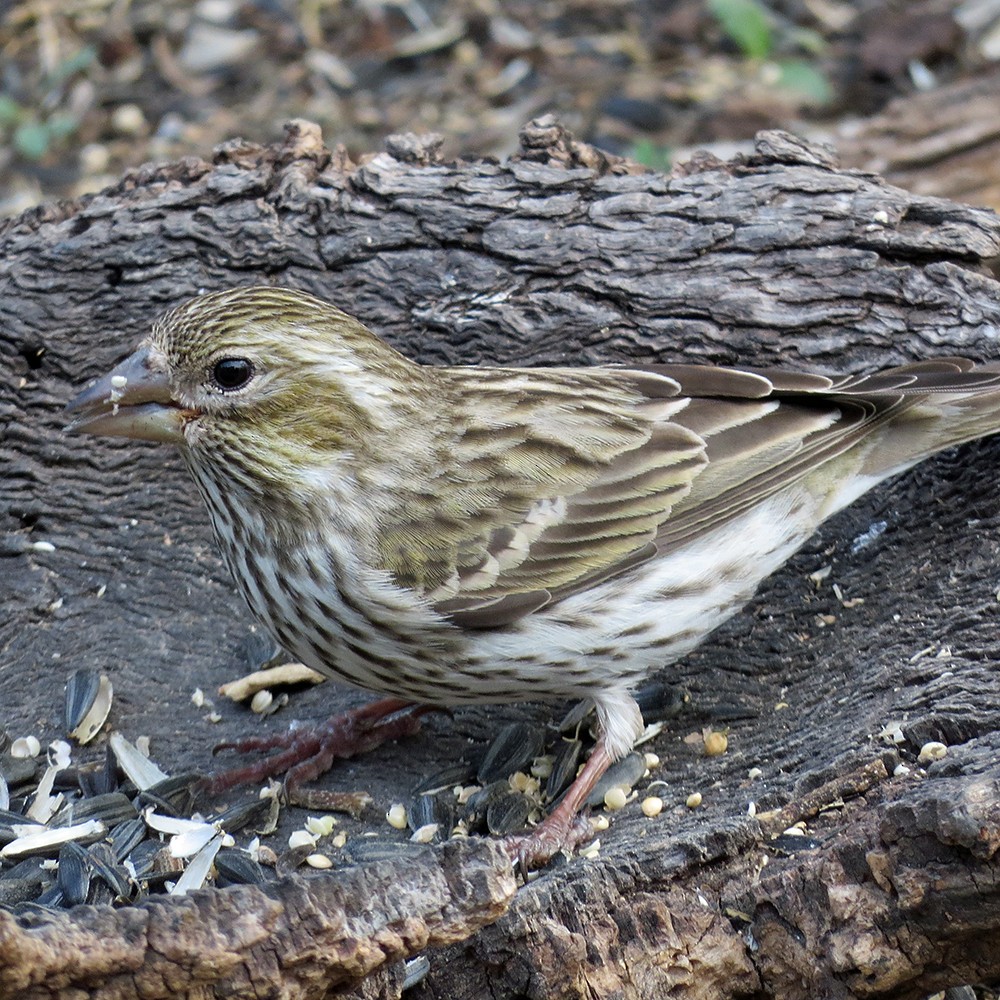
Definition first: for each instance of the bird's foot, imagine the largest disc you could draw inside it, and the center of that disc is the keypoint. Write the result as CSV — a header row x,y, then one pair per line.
x,y
536,848
563,828
306,752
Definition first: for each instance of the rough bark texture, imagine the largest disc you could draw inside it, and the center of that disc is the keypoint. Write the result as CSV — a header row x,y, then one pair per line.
x,y
296,938
557,256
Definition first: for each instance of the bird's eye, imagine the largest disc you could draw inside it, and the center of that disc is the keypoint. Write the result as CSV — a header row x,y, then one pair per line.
x,y
230,374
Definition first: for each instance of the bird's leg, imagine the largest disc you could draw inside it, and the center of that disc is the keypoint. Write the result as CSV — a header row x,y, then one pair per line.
x,y
309,751
562,827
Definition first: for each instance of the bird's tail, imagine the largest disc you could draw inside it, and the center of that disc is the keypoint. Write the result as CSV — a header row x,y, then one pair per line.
x,y
947,403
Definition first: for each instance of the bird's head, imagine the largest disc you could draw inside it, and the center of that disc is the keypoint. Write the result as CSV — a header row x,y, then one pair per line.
x,y
267,379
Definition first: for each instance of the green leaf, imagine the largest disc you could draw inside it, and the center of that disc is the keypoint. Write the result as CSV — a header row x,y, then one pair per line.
x,y
10,111
31,139
747,23
646,152
805,81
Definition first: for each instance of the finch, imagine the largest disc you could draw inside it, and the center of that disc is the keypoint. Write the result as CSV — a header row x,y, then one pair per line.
x,y
456,535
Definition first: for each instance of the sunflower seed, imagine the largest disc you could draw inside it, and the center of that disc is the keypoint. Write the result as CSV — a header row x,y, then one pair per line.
x,y
425,810
99,779
445,779
46,901
365,849
9,820
20,890
508,814
235,867
253,813
126,837
25,881
74,873
88,704
171,796
111,809
290,860
106,869
564,767
659,701
788,844
17,771
512,750
475,808
145,857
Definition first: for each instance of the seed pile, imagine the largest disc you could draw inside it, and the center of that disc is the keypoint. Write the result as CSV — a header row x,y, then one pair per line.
x,y
116,831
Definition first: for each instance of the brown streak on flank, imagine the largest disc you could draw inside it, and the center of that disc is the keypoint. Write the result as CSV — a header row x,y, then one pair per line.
x,y
633,630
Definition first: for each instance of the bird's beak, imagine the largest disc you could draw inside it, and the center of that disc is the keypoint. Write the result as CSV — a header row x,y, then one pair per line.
x,y
131,401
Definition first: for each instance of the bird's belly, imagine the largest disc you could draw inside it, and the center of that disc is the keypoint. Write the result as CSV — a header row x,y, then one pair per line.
x,y
609,636
614,634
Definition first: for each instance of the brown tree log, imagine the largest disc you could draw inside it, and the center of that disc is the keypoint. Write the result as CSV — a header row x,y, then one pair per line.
x,y
560,255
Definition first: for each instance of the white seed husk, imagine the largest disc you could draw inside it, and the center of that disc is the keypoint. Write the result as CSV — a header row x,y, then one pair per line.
x,y
426,833
396,816
138,768
301,838
932,751
42,839
321,826
95,717
197,871
191,841
693,800
25,746
319,861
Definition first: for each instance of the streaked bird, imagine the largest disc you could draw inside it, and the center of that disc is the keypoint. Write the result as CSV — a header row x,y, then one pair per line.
x,y
456,535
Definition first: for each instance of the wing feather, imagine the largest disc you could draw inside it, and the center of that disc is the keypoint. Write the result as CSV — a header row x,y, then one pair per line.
x,y
560,478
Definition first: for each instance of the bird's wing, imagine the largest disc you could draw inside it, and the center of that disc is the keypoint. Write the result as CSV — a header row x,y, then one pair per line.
x,y
562,478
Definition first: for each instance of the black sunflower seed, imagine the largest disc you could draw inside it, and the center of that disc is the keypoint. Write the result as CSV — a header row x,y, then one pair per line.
x,y
234,867
126,837
564,767
475,809
75,872
106,868
508,814
514,747
423,810
111,809
447,778
659,700
173,796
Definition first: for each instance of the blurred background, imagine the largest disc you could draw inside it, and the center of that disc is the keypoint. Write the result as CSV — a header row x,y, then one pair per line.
x,y
89,88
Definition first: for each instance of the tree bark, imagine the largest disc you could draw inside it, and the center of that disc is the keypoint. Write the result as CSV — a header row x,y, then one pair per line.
x,y
561,255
